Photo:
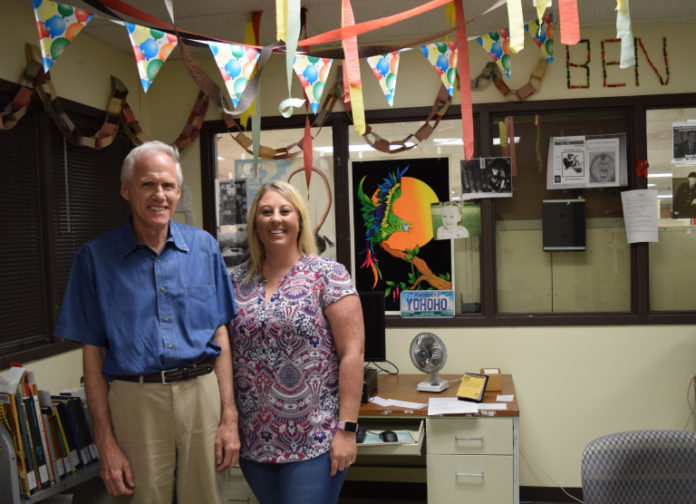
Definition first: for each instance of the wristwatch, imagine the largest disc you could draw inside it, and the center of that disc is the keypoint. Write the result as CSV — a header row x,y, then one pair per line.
x,y
348,426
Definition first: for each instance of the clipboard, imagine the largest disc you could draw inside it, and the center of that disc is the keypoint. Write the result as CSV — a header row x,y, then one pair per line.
x,y
472,387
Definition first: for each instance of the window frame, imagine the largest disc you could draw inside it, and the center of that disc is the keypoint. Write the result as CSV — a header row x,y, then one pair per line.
x,y
46,132
635,106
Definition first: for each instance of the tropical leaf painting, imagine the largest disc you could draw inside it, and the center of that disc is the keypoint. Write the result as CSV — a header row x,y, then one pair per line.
x,y
392,226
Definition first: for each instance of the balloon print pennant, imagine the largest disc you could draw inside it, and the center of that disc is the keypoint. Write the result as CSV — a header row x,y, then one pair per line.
x,y
312,72
236,64
543,35
497,45
58,25
386,67
443,57
151,48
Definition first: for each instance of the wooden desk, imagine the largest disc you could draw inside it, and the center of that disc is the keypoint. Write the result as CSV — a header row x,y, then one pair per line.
x,y
468,458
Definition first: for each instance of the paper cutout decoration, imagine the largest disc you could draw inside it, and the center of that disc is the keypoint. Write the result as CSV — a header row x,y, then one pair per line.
x,y
151,48
236,64
58,25
497,45
386,67
443,57
312,72
543,35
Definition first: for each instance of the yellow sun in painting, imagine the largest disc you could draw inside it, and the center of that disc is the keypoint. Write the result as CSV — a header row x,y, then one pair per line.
x,y
414,207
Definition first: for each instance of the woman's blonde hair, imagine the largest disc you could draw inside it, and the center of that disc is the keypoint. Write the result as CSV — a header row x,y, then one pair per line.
x,y
305,238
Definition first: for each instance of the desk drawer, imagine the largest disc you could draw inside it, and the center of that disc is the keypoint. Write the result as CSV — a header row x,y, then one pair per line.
x,y
417,432
471,435
480,479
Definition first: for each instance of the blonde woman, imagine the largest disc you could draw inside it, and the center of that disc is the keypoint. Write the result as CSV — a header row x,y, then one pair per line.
x,y
297,351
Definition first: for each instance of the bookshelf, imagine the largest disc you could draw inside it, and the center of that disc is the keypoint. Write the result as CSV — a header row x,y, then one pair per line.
x,y
8,472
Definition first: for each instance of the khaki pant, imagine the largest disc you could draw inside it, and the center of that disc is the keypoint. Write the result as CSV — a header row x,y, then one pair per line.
x,y
168,433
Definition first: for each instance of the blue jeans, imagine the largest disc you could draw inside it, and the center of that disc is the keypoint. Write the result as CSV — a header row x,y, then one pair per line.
x,y
307,482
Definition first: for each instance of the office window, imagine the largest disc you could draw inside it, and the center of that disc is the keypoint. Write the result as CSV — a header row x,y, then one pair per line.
x,y
528,278
54,197
672,268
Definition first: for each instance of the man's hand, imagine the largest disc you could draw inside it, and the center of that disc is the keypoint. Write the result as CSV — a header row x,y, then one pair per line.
x,y
115,470
227,445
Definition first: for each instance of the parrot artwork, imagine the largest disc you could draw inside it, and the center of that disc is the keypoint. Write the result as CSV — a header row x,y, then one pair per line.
x,y
379,219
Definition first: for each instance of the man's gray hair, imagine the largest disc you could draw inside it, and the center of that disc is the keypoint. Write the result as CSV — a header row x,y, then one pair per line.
x,y
151,146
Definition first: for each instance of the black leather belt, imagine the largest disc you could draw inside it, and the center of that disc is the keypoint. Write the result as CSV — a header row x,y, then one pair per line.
x,y
198,368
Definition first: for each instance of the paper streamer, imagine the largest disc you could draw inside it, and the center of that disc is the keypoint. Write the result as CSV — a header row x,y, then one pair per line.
x,y
443,56
352,67
385,67
251,37
281,19
570,23
58,25
151,48
236,64
313,73
291,42
625,33
543,35
516,24
497,45
540,8
465,82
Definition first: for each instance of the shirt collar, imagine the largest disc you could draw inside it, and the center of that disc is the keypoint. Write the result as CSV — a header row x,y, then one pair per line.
x,y
127,242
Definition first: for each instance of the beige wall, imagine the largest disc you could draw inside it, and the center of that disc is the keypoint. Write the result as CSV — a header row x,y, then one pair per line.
x,y
573,383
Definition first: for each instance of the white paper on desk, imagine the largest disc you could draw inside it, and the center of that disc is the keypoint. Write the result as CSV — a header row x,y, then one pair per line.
x,y
492,406
450,406
505,398
385,403
640,211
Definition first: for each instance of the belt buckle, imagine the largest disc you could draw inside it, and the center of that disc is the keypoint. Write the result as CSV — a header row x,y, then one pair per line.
x,y
163,374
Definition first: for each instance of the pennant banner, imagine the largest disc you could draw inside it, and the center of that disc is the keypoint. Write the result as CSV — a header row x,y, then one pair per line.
x,y
312,72
386,67
151,48
497,45
443,57
58,25
543,35
236,64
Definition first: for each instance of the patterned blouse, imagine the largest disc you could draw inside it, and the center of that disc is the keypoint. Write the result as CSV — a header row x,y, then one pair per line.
x,y
285,361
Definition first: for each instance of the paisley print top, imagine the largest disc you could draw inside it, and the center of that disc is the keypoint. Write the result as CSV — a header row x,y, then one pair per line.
x,y
285,361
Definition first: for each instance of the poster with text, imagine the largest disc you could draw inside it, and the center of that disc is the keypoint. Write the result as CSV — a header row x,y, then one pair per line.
x,y
586,161
394,249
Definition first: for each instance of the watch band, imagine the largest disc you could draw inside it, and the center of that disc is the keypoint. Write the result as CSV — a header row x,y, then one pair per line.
x,y
348,426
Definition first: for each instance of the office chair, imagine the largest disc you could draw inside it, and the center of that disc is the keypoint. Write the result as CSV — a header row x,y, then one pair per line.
x,y
640,467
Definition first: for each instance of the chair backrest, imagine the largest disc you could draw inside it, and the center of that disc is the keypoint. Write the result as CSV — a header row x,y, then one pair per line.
x,y
640,467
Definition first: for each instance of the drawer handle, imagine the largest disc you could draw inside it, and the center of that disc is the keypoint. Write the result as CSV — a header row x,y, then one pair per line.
x,y
462,438
468,475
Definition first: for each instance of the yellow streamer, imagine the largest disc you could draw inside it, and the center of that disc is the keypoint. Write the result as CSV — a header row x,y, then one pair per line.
x,y
516,23
502,134
540,8
249,38
281,20
449,17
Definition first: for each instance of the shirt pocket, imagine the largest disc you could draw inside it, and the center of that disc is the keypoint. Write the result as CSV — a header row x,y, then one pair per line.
x,y
201,306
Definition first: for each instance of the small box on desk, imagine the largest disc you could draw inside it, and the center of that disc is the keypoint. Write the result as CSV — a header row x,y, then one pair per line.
x,y
495,379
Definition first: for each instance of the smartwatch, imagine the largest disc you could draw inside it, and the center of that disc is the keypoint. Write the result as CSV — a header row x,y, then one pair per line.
x,y
348,426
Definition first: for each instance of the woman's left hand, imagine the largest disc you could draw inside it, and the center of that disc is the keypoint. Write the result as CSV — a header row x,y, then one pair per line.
x,y
343,451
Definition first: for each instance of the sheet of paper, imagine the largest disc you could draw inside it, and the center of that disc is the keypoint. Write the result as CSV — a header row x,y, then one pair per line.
x,y
385,403
450,406
505,398
640,211
492,406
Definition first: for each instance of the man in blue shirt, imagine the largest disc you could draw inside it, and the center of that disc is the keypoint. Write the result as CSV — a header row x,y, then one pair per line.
x,y
150,302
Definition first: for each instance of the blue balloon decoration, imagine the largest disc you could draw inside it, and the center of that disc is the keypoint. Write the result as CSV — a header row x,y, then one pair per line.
x,y
382,66
214,49
541,35
233,68
55,26
47,63
310,74
424,50
146,84
496,50
443,62
130,27
149,48
37,3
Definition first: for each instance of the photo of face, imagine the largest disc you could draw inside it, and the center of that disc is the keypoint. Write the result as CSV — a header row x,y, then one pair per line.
x,y
602,168
451,216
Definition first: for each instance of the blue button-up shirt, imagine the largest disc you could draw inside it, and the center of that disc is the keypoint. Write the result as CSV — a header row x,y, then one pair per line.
x,y
150,311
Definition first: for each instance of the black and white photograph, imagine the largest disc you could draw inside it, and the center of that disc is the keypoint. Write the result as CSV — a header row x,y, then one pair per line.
x,y
684,142
486,178
602,167
231,195
573,164
684,197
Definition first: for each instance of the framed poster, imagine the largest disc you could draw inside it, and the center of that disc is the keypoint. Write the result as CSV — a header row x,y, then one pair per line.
x,y
394,249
